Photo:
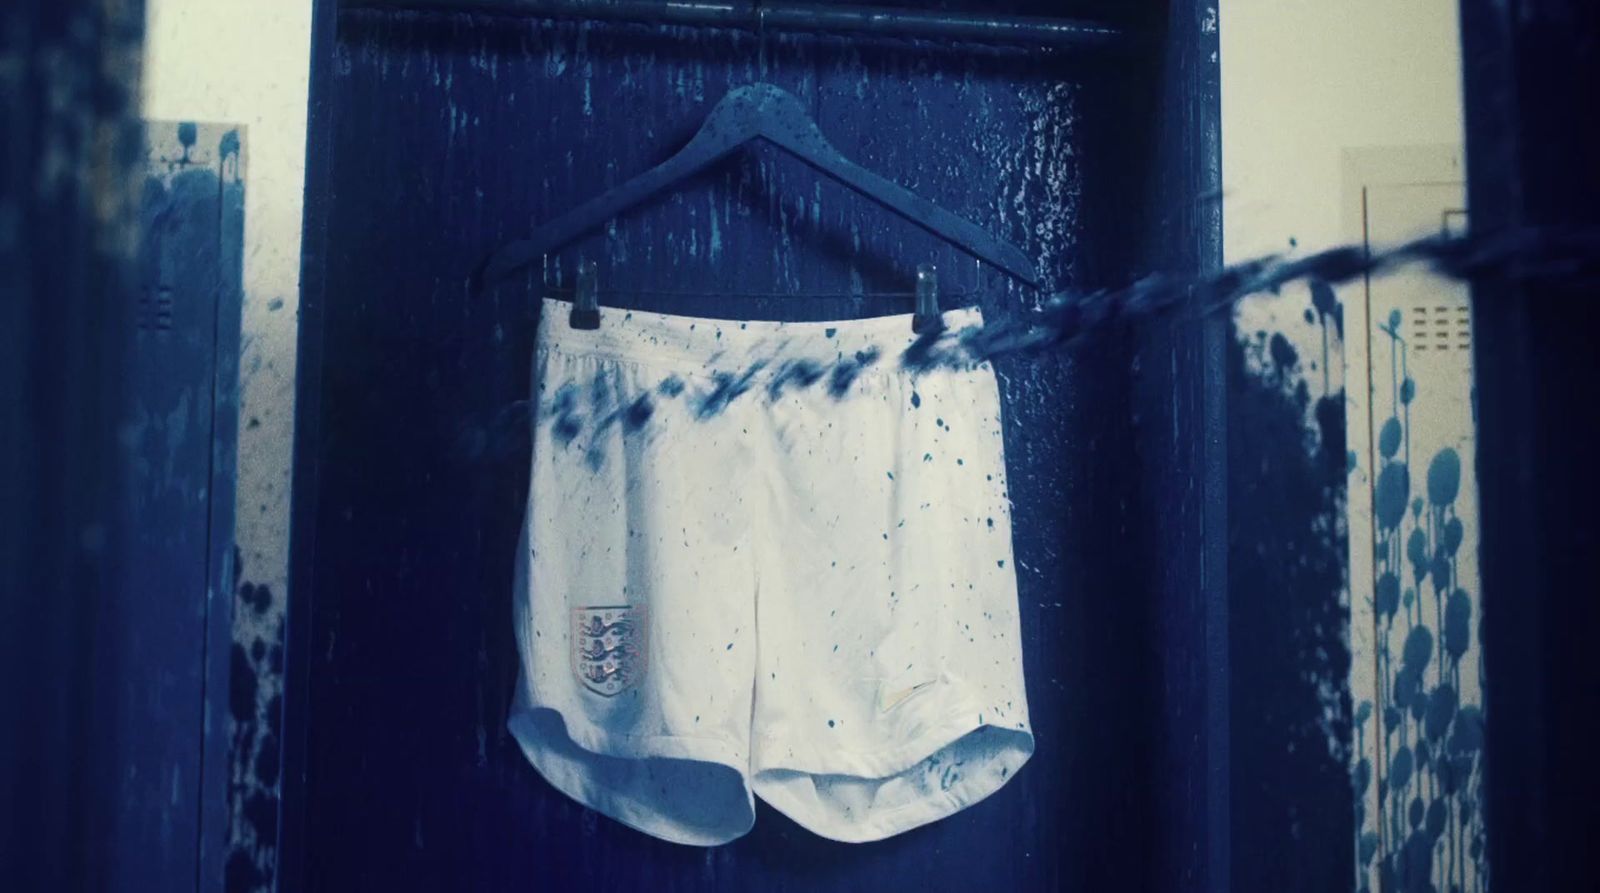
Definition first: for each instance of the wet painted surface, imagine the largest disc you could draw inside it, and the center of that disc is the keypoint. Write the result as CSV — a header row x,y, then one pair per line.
x,y
1290,618
164,673
1416,752
452,137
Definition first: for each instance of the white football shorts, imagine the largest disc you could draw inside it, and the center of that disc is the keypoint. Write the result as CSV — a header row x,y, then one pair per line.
x,y
767,559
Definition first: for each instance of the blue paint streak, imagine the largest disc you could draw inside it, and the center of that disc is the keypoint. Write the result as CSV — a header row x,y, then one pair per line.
x,y
845,371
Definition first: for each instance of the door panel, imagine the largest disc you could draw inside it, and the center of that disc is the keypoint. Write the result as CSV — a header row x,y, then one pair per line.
x,y
450,136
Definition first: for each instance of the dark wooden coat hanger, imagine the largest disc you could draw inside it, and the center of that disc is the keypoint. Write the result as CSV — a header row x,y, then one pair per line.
x,y
757,111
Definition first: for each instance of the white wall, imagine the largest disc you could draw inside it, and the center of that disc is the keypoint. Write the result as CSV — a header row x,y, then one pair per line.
x,y
246,62
1304,79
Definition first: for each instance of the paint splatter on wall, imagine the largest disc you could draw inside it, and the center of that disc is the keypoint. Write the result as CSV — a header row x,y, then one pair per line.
x,y
1419,721
1289,612
255,710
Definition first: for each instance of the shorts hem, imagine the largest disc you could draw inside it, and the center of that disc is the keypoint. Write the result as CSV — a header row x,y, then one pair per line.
x,y
882,764
629,811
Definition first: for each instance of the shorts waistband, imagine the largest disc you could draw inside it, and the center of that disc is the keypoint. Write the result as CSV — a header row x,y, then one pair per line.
x,y
663,339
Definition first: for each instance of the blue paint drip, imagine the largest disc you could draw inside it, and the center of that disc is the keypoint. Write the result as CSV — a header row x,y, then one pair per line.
x,y
1389,438
1394,488
1418,649
1457,624
1444,477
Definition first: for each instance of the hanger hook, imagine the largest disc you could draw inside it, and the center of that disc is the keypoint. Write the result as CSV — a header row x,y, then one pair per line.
x,y
761,38
927,316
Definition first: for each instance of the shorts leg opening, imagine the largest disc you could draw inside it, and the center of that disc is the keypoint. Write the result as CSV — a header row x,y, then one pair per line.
x,y
966,762
684,790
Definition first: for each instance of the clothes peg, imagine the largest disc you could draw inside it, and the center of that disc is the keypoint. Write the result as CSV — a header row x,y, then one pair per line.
x,y
586,307
927,313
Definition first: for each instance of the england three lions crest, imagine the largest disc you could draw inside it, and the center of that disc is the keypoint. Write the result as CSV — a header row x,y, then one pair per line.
x,y
608,647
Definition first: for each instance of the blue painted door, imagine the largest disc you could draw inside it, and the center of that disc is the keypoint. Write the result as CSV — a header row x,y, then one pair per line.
x,y
448,136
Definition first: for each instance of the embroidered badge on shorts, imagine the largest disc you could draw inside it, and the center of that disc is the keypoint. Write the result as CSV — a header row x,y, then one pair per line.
x,y
608,647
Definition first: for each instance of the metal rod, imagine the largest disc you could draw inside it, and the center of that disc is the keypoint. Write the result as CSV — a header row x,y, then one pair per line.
x,y
872,20
656,293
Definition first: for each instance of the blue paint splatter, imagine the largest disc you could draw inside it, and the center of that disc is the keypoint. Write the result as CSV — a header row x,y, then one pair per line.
x,y
1387,595
798,373
1394,488
920,355
1327,305
1441,710
564,407
1457,624
1400,768
1418,649
1444,477
639,412
1453,533
725,388
1389,438
845,371
1283,353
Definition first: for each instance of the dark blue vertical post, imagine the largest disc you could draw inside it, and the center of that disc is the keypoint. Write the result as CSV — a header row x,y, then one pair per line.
x,y
70,150
1533,160
1181,413
308,433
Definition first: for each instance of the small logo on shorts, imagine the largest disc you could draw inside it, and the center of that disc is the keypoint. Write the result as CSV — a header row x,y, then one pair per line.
x,y
608,647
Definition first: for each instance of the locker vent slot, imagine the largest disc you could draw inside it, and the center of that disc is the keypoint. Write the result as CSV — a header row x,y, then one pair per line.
x,y
1440,328
155,310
